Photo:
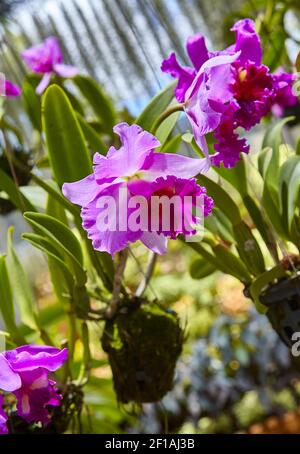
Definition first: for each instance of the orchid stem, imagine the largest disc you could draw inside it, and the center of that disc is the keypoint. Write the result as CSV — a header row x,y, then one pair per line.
x,y
119,272
150,268
172,109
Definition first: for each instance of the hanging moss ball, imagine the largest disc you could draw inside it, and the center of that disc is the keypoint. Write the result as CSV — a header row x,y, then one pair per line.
x,y
143,343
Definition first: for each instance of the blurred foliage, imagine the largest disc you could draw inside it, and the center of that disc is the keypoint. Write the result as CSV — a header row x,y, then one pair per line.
x,y
238,374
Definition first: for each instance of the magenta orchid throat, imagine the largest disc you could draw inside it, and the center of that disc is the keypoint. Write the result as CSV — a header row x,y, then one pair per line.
x,y
228,89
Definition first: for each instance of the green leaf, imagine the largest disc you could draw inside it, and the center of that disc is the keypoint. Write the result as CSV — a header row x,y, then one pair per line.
x,y
74,101
235,176
156,106
235,266
7,302
172,145
69,157
32,104
167,126
249,249
22,288
264,159
98,100
218,224
62,240
14,193
200,268
272,210
55,209
93,138
60,231
222,199
53,190
289,187
44,244
224,260
262,282
273,139
261,225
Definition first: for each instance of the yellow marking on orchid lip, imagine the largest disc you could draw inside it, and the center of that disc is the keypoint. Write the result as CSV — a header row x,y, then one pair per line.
x,y
242,75
135,176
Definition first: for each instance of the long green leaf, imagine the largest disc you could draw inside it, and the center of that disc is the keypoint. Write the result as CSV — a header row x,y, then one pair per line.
x,y
93,138
289,187
32,105
22,288
222,199
62,241
235,176
167,126
200,268
15,195
7,302
249,249
98,100
45,246
155,107
69,157
60,231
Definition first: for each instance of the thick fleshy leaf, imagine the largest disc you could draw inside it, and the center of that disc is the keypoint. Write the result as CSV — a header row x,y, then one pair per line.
x,y
200,268
22,288
155,107
98,100
32,103
222,200
69,156
248,248
46,246
92,137
15,195
62,240
60,231
289,187
7,302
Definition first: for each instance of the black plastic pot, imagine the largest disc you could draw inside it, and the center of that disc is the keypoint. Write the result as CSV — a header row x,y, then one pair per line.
x,y
283,303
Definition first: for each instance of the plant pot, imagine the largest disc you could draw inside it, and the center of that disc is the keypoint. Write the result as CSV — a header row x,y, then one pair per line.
x,y
283,302
143,343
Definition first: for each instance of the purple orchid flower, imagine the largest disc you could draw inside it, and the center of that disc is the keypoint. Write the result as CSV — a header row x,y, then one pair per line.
x,y
11,90
24,371
228,89
136,167
46,58
3,418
